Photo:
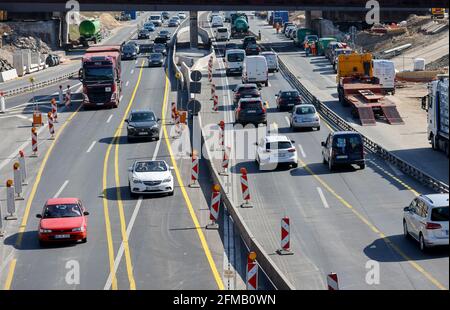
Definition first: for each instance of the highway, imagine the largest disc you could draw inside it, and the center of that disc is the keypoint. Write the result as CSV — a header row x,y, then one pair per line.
x,y
340,222
144,243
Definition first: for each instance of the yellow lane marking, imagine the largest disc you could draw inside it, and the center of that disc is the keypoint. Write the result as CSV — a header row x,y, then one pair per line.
x,y
26,214
10,276
373,228
201,236
115,140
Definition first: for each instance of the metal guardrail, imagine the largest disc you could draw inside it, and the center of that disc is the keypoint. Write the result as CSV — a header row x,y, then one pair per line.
x,y
370,145
27,88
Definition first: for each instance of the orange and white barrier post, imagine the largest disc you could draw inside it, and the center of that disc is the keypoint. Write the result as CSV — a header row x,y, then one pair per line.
x,y
221,135
214,208
213,91
51,127
285,238
68,97
10,201
54,110
34,142
216,104
17,181
2,103
23,167
252,272
194,169
225,161
174,112
332,282
245,189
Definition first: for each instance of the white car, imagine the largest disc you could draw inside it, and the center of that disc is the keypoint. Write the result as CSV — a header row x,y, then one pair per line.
x,y
305,116
181,15
272,61
274,150
222,34
217,21
426,220
150,177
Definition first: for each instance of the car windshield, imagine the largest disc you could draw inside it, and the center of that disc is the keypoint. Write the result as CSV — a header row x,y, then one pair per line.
x,y
223,30
129,48
305,110
150,166
280,145
156,56
142,117
343,142
252,45
62,210
243,89
98,73
164,32
439,214
155,17
231,45
289,94
158,46
234,57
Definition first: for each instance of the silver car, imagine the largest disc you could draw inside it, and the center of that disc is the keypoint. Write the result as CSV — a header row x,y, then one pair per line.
x,y
305,116
426,220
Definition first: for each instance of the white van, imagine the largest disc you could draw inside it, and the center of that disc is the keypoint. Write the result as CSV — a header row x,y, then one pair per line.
x,y
234,59
272,61
217,21
222,34
254,70
384,70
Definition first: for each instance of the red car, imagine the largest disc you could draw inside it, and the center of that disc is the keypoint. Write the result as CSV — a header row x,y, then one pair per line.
x,y
63,219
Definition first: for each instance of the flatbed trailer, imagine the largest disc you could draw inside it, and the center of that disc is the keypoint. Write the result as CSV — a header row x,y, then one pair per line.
x,y
367,101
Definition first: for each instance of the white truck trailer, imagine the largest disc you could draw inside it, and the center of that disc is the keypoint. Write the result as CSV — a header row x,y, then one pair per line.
x,y
437,108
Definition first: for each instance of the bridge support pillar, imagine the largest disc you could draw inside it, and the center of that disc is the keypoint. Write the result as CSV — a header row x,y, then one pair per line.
x,y
193,28
64,29
308,19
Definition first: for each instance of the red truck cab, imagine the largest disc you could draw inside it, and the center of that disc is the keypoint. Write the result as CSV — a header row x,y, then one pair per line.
x,y
100,74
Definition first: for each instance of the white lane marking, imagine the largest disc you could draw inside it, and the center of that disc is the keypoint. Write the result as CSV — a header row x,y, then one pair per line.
x,y
136,62
63,186
22,116
109,118
322,197
395,169
301,150
91,147
132,71
120,98
287,121
127,83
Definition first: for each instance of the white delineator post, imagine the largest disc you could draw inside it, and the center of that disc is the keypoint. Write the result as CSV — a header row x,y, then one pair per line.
x,y
17,181
10,201
54,110
23,167
245,189
51,127
285,238
225,161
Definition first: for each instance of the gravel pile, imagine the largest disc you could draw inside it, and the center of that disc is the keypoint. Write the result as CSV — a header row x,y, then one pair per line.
x,y
438,64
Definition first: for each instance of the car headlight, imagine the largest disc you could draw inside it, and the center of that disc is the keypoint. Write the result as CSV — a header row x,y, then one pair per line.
x,y
155,126
45,231
130,127
78,229
169,179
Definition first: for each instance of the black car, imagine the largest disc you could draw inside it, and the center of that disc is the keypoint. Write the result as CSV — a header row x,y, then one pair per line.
x,y
159,48
129,51
286,100
142,124
247,40
246,91
160,40
251,110
343,148
164,34
252,49
155,60
143,34
165,15
231,46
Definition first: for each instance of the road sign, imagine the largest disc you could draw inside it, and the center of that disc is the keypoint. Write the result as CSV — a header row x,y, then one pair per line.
x,y
196,76
194,106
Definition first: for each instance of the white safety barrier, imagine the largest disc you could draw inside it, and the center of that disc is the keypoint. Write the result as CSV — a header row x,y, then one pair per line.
x,y
17,181
2,103
214,208
194,169
23,167
34,142
10,201
245,189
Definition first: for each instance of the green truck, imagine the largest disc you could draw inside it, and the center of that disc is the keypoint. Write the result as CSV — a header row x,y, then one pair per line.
x,y
239,25
323,44
90,31
301,34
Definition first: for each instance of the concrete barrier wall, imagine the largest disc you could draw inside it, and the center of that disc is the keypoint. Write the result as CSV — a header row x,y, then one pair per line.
x,y
8,75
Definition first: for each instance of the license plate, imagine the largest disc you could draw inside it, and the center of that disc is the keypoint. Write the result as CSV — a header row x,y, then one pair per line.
x,y
107,89
341,156
99,103
251,111
62,236
143,133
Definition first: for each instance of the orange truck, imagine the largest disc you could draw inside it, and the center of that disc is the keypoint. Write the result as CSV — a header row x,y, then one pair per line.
x,y
100,75
359,89
438,13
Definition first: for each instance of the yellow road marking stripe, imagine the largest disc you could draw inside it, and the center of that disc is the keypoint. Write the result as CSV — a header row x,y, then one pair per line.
x,y
119,199
373,228
10,276
186,197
